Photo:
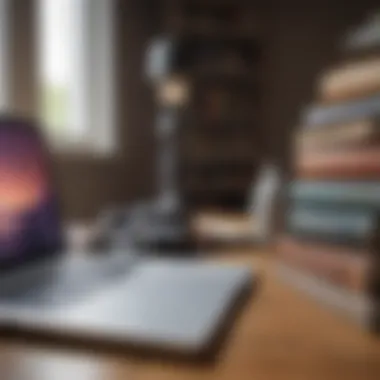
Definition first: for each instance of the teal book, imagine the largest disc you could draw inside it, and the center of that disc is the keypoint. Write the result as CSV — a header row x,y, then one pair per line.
x,y
342,226
355,194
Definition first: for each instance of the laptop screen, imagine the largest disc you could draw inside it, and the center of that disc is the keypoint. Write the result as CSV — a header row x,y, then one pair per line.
x,y
29,219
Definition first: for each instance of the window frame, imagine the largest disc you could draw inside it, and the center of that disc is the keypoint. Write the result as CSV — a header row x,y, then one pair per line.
x,y
97,92
4,55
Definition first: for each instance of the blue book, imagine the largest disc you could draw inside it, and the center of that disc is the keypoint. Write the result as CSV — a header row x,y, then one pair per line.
x,y
364,194
341,113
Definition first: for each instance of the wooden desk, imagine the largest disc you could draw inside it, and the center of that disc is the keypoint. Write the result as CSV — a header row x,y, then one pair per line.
x,y
282,335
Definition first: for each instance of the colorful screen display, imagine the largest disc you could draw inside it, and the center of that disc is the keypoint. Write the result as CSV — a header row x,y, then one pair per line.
x,y
29,220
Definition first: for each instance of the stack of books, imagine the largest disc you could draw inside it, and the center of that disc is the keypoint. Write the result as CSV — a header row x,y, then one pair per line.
x,y
331,246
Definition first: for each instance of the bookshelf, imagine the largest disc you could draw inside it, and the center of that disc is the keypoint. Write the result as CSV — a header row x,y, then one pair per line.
x,y
220,52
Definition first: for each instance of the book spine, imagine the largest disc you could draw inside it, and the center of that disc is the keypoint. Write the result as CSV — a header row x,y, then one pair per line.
x,y
347,268
352,164
341,113
357,133
357,307
365,194
355,80
366,37
341,227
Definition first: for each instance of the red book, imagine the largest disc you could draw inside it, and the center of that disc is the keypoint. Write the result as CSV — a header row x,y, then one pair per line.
x,y
348,164
343,267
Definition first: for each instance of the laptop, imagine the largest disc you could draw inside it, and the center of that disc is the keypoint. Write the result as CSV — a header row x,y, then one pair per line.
x,y
117,297
35,268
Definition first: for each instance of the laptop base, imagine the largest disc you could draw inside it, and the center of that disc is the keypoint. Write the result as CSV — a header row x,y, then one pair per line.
x,y
176,307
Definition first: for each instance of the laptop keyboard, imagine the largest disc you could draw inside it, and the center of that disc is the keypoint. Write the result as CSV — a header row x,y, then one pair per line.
x,y
64,282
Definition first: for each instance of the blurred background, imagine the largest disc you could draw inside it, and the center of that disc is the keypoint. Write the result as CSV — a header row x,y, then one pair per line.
x,y
84,76
260,118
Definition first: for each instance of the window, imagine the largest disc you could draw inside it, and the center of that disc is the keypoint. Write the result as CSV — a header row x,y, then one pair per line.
x,y
76,62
